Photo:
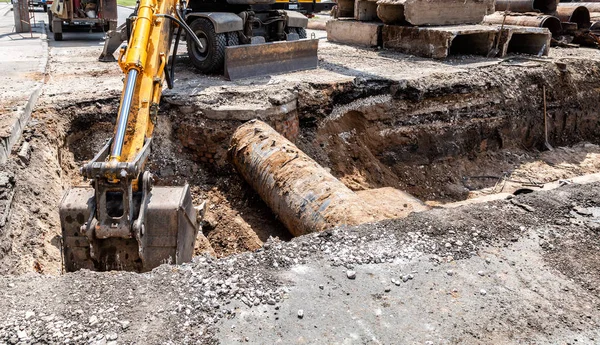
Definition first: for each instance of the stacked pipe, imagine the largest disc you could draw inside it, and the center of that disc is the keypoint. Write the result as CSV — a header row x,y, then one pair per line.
x,y
534,13
575,13
585,17
578,9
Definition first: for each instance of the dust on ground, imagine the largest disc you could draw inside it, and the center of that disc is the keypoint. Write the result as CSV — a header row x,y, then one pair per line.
x,y
442,276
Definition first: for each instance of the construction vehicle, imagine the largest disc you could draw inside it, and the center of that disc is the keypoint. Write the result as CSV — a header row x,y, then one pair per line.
x,y
63,15
240,38
122,222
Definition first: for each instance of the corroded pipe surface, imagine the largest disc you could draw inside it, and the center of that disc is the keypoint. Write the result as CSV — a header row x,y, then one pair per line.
x,y
304,196
526,19
544,6
579,15
591,6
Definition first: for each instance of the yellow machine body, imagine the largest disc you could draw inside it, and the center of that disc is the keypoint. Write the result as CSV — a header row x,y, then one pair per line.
x,y
122,222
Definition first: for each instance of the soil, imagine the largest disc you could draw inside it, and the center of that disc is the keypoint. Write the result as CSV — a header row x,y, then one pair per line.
x,y
451,131
442,276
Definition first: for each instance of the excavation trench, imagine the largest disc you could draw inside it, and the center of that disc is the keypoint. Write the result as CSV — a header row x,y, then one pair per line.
x,y
441,142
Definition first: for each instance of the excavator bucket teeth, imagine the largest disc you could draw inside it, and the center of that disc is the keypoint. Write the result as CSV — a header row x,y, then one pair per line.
x,y
169,233
253,60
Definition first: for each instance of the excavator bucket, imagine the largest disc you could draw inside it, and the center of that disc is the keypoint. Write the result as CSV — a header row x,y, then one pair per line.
x,y
169,233
253,60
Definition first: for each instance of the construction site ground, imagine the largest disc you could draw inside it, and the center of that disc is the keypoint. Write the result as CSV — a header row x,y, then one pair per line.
x,y
520,270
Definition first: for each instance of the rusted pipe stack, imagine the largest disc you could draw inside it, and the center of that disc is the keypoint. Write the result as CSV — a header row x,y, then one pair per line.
x,y
532,13
525,6
531,19
577,9
304,196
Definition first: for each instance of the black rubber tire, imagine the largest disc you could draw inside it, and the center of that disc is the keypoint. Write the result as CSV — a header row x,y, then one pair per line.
x,y
212,58
58,36
49,20
233,39
301,32
45,8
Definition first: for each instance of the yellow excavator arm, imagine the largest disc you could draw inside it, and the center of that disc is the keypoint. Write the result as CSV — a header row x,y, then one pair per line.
x,y
143,61
123,222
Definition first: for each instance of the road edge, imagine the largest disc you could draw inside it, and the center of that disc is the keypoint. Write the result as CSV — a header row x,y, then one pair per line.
x,y
17,129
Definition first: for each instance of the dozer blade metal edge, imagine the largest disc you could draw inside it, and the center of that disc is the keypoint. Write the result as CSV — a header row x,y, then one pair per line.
x,y
270,58
169,235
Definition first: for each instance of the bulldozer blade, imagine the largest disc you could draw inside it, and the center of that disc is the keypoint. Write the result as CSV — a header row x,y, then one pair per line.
x,y
169,237
113,40
253,60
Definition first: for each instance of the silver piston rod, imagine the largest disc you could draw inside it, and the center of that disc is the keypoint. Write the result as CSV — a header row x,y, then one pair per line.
x,y
124,114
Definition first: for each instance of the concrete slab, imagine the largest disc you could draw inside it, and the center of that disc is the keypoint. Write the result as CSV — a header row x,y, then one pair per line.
x,y
365,10
23,57
390,13
345,8
440,42
525,40
446,12
358,33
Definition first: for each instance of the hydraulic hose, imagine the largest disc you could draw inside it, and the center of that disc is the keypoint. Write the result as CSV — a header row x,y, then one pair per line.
x,y
183,24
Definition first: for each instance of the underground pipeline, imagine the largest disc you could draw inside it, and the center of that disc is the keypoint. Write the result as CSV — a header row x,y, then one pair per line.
x,y
304,196
574,14
526,19
544,6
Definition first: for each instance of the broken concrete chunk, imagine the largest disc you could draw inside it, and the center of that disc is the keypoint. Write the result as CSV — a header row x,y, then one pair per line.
x,y
7,179
25,153
357,33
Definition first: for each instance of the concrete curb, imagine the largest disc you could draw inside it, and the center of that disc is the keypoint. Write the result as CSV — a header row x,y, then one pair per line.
x,y
16,131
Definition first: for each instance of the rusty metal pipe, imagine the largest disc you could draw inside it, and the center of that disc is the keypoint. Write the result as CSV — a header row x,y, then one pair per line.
x,y
579,15
305,197
544,6
591,6
526,19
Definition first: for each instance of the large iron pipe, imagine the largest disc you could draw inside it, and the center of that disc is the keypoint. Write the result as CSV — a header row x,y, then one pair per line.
x,y
305,197
579,15
591,6
544,6
524,19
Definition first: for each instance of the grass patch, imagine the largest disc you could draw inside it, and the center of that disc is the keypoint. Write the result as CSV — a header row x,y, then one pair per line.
x,y
130,3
